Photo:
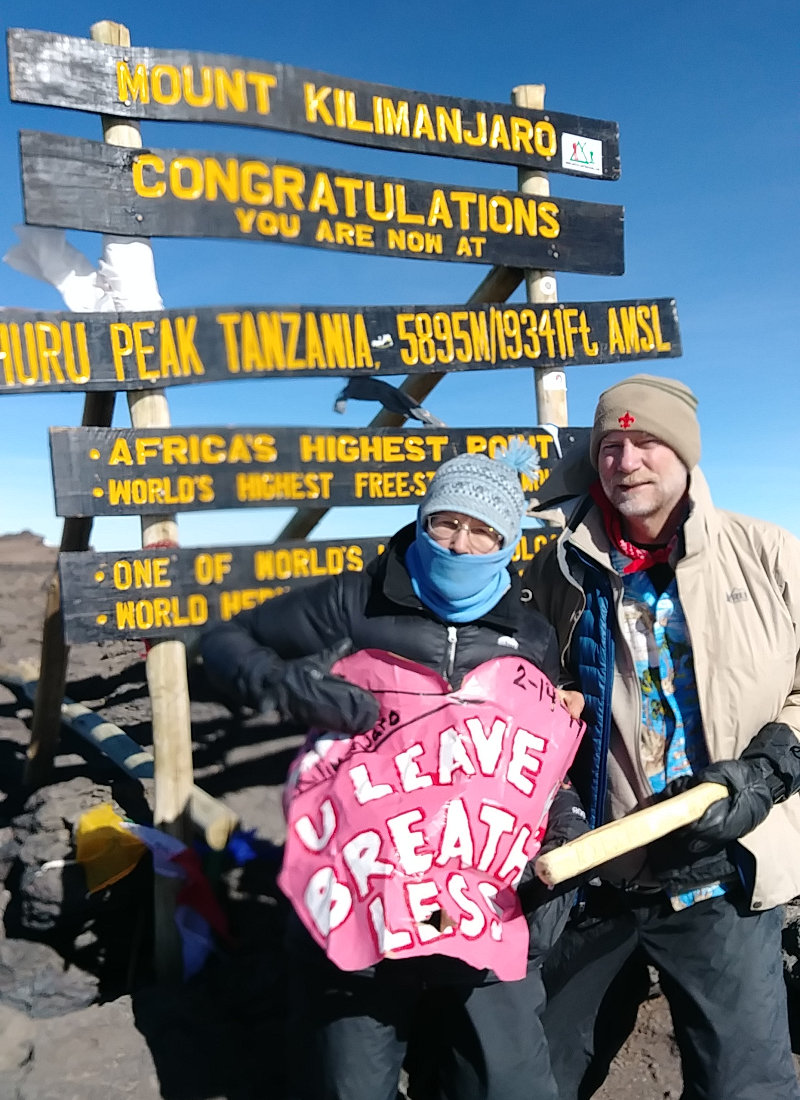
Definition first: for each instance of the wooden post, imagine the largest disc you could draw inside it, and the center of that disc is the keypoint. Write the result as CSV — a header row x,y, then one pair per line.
x,y
551,383
497,286
166,661
98,410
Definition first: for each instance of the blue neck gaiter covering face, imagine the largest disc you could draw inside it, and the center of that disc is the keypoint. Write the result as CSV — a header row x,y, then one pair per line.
x,y
458,587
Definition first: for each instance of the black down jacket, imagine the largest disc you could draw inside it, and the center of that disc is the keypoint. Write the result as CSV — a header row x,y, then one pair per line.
x,y
377,609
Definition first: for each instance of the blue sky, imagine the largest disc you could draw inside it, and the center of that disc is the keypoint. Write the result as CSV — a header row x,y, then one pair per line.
x,y
705,95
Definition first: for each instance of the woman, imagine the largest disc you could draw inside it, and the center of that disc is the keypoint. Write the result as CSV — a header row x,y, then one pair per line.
x,y
443,596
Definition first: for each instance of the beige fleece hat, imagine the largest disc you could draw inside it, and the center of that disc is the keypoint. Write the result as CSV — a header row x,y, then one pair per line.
x,y
663,407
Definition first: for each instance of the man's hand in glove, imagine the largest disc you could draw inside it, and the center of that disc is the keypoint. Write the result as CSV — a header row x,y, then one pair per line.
x,y
305,691
748,803
767,772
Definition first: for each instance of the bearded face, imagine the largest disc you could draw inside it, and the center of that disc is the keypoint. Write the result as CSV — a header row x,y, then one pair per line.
x,y
641,476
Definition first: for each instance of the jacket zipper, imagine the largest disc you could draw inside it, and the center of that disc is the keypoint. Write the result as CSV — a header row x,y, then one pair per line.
x,y
452,639
597,813
565,571
626,657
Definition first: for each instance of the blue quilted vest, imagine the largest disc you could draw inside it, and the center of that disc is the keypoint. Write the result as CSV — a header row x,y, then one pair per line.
x,y
591,658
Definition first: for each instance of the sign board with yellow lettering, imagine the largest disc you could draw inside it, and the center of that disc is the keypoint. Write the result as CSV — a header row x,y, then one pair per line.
x,y
107,351
106,471
165,592
135,82
76,184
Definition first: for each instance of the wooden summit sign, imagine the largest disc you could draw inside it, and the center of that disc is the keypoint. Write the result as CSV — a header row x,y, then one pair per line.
x,y
147,593
160,592
106,471
76,184
140,82
108,351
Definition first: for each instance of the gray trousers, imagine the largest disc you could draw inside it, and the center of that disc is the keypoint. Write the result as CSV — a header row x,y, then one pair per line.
x,y
350,1033
721,971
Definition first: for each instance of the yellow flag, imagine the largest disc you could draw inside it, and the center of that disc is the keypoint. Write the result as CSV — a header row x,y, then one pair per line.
x,y
104,846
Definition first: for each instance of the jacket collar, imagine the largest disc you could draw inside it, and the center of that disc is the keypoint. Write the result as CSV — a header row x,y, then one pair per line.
x,y
586,531
702,524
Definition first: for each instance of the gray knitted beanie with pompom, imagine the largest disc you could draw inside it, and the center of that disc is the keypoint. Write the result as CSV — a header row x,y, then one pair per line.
x,y
485,488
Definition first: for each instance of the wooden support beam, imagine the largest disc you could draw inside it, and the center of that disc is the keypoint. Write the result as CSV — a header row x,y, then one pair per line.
x,y
497,286
212,820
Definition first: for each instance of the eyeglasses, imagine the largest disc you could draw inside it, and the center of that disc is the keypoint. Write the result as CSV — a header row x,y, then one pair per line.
x,y
481,538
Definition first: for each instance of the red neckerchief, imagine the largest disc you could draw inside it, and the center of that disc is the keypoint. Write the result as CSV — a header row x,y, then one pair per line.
x,y
641,557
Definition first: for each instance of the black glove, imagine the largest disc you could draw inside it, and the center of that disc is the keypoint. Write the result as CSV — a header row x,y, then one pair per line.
x,y
767,772
303,690
566,821
748,803
547,910
777,751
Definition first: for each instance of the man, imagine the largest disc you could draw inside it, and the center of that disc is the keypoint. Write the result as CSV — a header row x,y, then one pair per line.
x,y
680,623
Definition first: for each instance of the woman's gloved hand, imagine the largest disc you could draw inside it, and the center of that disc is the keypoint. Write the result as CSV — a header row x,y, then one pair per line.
x,y
547,908
566,821
303,690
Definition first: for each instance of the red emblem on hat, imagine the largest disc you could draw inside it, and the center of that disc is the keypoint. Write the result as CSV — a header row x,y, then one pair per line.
x,y
626,420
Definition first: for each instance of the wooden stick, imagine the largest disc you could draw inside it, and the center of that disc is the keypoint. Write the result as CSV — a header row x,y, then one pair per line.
x,y
98,409
212,820
634,831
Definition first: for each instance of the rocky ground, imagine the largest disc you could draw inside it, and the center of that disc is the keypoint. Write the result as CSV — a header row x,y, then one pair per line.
x,y
81,1014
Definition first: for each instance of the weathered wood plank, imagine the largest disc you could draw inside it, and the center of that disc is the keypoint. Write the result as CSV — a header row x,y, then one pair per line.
x,y
167,592
105,471
76,184
141,82
101,351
